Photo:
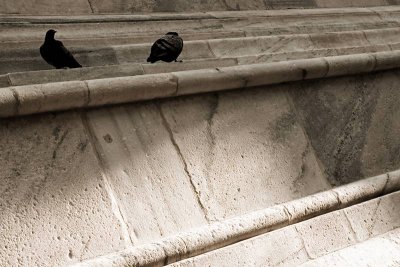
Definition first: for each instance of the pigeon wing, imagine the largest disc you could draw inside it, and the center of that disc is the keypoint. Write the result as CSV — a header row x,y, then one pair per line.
x,y
66,56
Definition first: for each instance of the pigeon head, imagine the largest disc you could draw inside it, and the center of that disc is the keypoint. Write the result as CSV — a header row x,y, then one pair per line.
x,y
172,33
50,34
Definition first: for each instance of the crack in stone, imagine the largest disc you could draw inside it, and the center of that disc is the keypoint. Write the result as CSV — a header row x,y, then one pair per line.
x,y
351,227
386,184
291,256
371,228
88,100
300,122
146,151
85,248
297,181
9,79
303,244
288,213
185,166
91,6
366,38
228,7
89,131
59,144
376,13
213,110
177,84
338,198
209,48
17,100
327,67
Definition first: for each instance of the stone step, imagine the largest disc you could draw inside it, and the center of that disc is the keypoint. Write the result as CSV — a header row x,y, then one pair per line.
x,y
379,251
26,28
121,39
32,28
31,99
29,59
120,6
200,35
90,73
293,232
367,234
84,183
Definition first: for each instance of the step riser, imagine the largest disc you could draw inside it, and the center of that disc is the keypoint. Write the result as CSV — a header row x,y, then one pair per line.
x,y
26,60
120,6
219,235
31,99
88,41
28,31
46,76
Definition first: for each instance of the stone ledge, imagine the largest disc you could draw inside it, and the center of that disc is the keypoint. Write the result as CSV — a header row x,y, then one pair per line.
x,y
95,18
230,231
133,69
24,59
32,99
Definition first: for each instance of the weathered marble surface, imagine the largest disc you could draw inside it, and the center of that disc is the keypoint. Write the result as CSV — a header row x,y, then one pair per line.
x,y
45,7
134,6
238,146
334,238
352,123
54,205
165,166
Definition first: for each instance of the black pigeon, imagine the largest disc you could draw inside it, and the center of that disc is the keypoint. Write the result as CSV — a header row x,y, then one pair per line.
x,y
167,48
55,53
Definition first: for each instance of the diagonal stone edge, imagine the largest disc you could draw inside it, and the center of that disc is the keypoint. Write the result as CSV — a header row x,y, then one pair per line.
x,y
119,90
217,235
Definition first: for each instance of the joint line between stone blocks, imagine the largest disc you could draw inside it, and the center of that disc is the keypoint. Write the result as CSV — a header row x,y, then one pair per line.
x,y
185,167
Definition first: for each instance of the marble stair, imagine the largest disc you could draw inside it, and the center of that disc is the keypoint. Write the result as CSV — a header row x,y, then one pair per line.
x,y
274,142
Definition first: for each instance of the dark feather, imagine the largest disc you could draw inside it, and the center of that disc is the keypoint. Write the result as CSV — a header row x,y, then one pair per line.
x,y
167,48
55,53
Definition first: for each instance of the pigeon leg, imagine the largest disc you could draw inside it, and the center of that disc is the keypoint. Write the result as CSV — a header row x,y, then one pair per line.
x,y
179,60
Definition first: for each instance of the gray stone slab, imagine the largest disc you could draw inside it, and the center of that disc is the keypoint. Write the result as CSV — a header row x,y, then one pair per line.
x,y
243,150
351,3
118,6
349,120
279,4
325,234
381,251
146,171
4,80
60,75
55,209
327,240
279,248
370,222
45,7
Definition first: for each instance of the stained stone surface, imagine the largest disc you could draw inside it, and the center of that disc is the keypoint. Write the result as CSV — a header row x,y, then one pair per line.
x,y
328,240
243,150
348,3
279,4
45,7
352,124
76,185
55,209
145,171
135,6
380,251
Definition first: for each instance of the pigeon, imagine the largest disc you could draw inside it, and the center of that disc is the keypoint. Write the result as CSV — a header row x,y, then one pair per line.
x,y
167,48
55,53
